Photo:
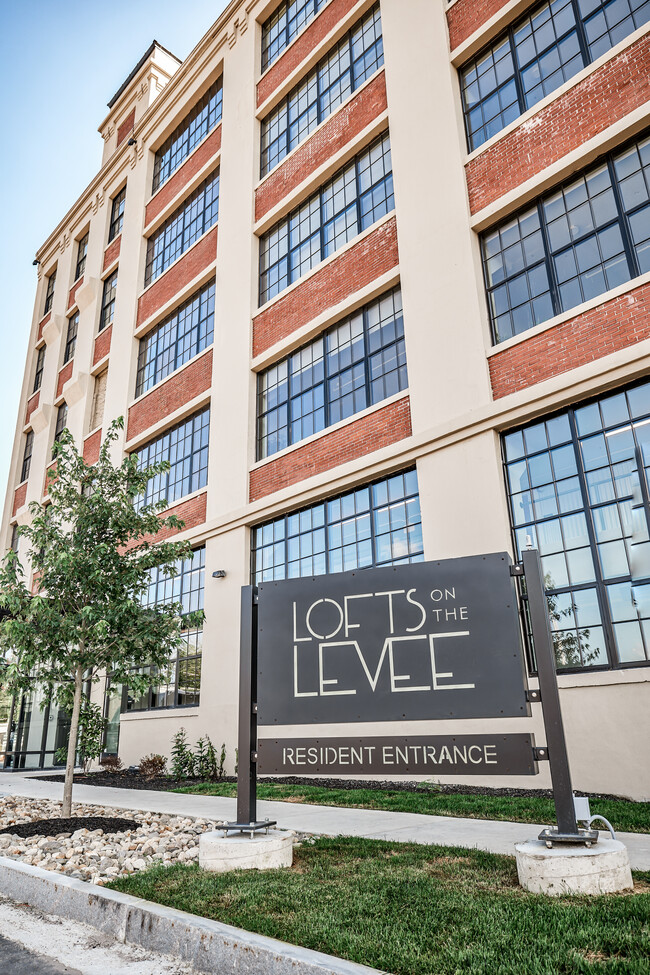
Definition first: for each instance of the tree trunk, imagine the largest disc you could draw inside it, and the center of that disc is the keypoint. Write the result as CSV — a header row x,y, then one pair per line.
x,y
66,812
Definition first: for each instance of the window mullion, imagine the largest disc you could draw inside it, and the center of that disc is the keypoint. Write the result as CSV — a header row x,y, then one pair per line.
x,y
593,544
581,34
548,260
521,96
623,222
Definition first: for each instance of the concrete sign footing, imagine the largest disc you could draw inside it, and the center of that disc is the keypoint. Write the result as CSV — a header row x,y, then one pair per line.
x,y
603,868
262,851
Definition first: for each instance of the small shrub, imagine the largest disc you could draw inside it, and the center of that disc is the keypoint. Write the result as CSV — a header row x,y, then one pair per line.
x,y
111,763
183,761
152,766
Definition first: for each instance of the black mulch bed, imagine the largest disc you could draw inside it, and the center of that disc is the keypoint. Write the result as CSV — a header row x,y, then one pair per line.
x,y
128,779
54,827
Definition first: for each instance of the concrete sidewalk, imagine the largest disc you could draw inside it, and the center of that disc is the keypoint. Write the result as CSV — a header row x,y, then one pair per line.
x,y
496,837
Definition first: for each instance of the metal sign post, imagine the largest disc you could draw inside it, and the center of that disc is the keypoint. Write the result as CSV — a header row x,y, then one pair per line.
x,y
247,821
567,827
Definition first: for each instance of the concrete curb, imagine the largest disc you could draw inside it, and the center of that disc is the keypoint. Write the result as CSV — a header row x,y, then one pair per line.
x,y
209,946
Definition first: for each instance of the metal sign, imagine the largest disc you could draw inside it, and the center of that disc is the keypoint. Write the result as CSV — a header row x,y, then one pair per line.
x,y
413,755
426,641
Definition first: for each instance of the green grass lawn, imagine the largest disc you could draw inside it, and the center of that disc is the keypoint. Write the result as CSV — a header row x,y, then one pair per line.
x,y
416,910
625,816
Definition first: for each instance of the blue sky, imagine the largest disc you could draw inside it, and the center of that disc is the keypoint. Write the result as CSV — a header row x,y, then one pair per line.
x,y
60,62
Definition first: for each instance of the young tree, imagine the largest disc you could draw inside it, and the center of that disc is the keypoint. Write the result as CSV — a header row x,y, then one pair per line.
x,y
92,549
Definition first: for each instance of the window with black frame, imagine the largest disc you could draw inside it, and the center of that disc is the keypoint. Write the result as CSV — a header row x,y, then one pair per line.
x,y
356,363
181,336
205,115
285,23
182,684
578,489
354,59
575,243
358,196
189,222
27,455
82,251
71,338
537,55
117,214
377,524
108,301
38,374
49,292
185,447
61,422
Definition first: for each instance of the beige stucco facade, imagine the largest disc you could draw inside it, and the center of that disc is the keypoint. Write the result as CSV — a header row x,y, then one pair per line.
x,y
456,420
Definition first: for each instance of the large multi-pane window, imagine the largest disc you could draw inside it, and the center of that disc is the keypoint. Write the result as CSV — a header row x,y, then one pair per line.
x,y
378,524
182,683
71,337
194,127
542,51
38,375
358,55
82,251
284,24
185,447
117,214
108,301
196,215
186,332
49,292
578,488
353,365
575,243
27,456
61,421
355,198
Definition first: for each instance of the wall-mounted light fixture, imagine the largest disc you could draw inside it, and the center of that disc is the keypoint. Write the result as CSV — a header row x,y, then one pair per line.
x,y
131,142
219,574
35,262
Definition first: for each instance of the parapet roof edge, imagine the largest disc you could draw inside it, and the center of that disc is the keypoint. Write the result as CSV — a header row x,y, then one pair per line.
x,y
143,60
51,239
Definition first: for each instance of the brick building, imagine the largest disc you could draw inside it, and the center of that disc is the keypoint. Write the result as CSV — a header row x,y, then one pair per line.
x,y
412,321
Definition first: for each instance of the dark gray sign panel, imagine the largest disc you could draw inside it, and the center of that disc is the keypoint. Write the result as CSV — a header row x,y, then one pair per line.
x,y
415,755
432,640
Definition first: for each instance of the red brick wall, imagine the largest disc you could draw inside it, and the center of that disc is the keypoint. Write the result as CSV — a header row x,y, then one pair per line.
x,y
177,390
610,93
112,252
73,291
91,447
185,270
201,155
46,480
64,375
192,512
19,498
332,136
319,28
466,16
357,267
126,127
41,325
32,404
614,325
102,344
355,439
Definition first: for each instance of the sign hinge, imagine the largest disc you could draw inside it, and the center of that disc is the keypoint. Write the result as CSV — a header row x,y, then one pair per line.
x,y
540,753
256,598
253,757
254,707
533,696
516,569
